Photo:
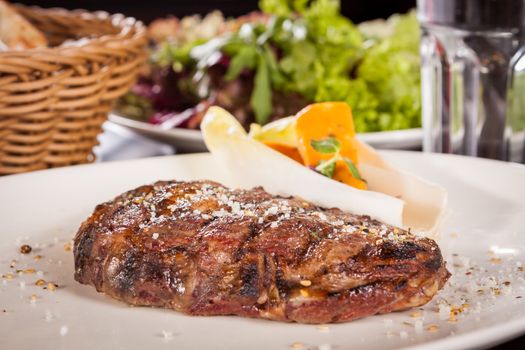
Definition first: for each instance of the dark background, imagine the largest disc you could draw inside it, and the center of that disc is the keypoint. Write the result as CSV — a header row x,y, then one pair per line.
x,y
147,10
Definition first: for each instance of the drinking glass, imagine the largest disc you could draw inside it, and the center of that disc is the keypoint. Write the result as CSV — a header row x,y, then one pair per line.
x,y
473,77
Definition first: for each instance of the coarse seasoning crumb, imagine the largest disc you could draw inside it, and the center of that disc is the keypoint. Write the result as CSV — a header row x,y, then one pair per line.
x,y
155,236
297,345
49,316
25,249
495,260
273,210
8,276
167,335
40,282
432,328
323,328
67,247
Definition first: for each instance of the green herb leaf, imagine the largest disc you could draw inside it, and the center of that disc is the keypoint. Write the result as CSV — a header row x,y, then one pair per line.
x,y
326,146
261,99
315,234
245,58
326,167
353,169
276,77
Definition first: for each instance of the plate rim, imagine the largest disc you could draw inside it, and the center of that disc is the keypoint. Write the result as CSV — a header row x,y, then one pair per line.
x,y
495,162
410,137
177,132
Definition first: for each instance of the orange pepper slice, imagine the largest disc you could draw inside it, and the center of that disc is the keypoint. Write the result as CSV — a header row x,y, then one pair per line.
x,y
322,120
343,174
288,151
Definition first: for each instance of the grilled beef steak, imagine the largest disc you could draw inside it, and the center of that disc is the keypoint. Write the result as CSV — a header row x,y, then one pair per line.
x,y
204,249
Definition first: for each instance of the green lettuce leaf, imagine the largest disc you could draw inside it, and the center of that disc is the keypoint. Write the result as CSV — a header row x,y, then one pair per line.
x,y
308,49
261,98
245,58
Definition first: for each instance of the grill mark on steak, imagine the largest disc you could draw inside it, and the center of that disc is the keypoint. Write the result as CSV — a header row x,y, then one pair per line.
x,y
129,272
406,250
85,246
435,263
250,276
204,249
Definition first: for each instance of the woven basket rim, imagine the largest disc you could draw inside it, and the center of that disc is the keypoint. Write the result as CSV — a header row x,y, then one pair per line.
x,y
54,100
126,24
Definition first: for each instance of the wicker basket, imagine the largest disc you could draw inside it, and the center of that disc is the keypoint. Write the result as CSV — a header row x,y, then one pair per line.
x,y
53,101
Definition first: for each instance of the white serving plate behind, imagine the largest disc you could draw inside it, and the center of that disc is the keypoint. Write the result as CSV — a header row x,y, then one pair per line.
x,y
188,140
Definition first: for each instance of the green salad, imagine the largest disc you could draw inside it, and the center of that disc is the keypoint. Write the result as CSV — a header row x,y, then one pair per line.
x,y
270,64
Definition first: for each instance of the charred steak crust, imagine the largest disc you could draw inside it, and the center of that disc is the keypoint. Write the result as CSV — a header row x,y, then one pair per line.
x,y
204,249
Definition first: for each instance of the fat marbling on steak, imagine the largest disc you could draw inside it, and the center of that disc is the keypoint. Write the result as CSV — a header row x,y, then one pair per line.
x,y
204,249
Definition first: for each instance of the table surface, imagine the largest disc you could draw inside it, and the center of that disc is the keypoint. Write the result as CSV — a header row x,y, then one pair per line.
x,y
119,143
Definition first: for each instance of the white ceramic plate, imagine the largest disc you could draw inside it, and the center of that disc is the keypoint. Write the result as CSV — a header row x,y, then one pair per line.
x,y
187,140
483,240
